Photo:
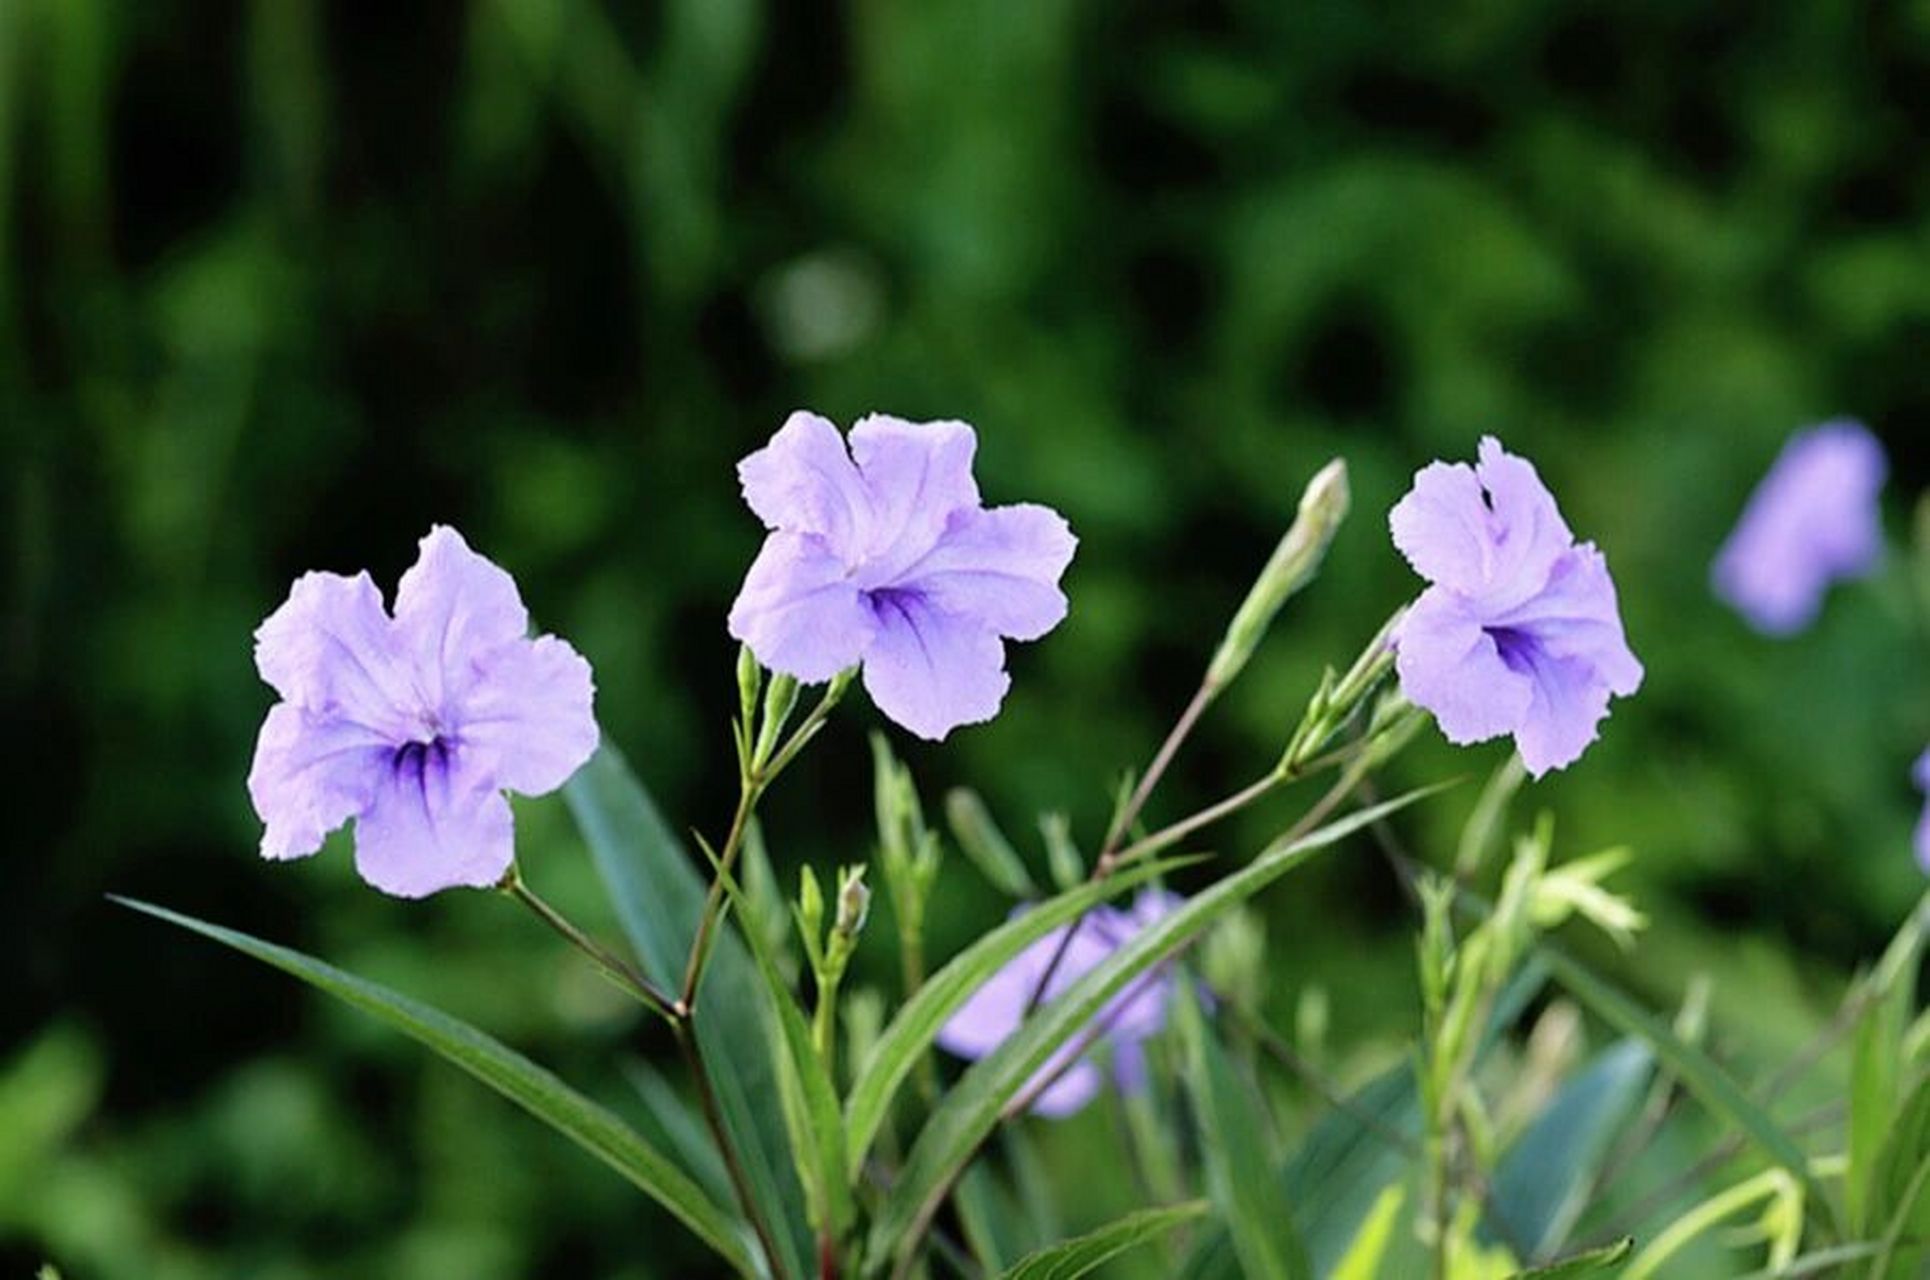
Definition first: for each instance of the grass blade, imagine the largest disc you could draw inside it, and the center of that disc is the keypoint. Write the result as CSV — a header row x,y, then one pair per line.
x,y
1073,1258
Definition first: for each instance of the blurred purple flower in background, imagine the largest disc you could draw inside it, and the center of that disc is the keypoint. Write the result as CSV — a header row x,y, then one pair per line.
x,y
414,725
1812,520
1519,632
893,562
998,1008
1922,774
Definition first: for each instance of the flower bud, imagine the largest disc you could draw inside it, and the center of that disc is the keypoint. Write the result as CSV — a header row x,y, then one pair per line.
x,y
750,682
854,902
1293,564
810,914
780,698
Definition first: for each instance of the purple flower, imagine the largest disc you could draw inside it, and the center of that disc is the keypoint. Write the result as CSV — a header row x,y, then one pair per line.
x,y
414,725
1922,774
1519,632
996,1010
894,563
1812,520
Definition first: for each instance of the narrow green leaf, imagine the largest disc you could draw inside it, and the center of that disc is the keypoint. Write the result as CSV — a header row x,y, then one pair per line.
x,y
970,1111
531,1087
681,1128
982,842
1699,1073
1071,1259
811,1097
659,895
1538,1191
1233,1145
1591,1263
1362,1261
1355,1152
916,1024
1900,1190
1876,1062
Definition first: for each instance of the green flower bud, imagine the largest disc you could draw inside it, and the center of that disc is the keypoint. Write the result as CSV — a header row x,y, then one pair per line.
x,y
1293,564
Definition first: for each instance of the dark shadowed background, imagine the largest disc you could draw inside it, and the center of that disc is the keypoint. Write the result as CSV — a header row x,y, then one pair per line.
x,y
283,283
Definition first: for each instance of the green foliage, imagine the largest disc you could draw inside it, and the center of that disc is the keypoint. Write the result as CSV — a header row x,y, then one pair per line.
x,y
536,1090
1073,1258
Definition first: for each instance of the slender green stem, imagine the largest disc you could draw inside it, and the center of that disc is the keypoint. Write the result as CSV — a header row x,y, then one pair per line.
x,y
705,939
714,1120
607,962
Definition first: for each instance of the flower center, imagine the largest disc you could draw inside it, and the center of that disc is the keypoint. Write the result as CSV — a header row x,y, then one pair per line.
x,y
1515,646
416,760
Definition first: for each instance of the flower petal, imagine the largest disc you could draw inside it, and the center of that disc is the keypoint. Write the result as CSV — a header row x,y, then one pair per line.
x,y
1441,526
1451,666
1814,519
918,474
1576,616
932,671
530,711
332,650
803,481
310,775
1922,775
799,611
1570,702
1000,566
1529,533
1076,1086
453,609
436,821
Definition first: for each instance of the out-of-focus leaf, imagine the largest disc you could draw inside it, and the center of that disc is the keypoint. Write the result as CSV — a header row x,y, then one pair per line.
x,y
1876,1063
1697,1071
659,898
1362,1261
1900,1191
1246,1195
1073,1258
917,1023
1538,1189
972,1108
534,1088
982,841
1593,1262
682,1128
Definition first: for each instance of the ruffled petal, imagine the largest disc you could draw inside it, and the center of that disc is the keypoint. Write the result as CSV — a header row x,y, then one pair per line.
x,y
932,671
332,650
454,609
1441,526
803,481
1570,702
918,474
1529,534
310,775
799,611
1001,567
531,712
436,821
1576,616
1451,666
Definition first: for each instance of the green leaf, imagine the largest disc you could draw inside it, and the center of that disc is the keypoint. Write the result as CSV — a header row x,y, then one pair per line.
x,y
659,897
1355,1152
971,1110
810,1097
531,1087
1900,1190
1362,1261
1700,1074
681,1128
1539,1189
982,842
1233,1146
1070,1259
916,1024
1876,1062
1582,1264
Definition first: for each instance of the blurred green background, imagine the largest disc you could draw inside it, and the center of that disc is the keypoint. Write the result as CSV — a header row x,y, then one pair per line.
x,y
285,282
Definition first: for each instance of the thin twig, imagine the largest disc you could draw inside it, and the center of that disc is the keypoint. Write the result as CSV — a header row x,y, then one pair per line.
x,y
613,967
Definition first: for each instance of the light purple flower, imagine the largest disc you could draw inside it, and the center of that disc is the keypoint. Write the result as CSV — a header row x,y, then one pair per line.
x,y
1519,632
997,1009
1922,774
1812,520
885,556
414,725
